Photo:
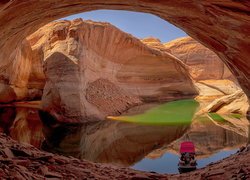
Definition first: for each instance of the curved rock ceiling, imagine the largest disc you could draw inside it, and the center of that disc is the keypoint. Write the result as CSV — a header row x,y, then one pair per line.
x,y
222,26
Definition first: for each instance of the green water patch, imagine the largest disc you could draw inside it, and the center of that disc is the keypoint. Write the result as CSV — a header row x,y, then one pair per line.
x,y
171,113
218,118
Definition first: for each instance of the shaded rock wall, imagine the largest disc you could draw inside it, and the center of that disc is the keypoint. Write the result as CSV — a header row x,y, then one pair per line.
x,y
15,74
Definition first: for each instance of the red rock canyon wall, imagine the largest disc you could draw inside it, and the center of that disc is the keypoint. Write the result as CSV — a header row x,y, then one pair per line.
x,y
222,26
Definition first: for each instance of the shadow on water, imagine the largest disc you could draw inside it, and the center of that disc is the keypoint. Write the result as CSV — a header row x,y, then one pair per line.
x,y
144,138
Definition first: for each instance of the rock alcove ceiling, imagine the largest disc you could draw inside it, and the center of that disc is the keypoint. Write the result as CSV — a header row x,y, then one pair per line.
x,y
222,26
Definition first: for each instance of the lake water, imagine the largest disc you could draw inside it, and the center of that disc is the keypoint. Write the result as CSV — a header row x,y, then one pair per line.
x,y
145,138
168,162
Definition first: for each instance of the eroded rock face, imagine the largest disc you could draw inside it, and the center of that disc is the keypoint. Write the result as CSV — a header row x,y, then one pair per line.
x,y
203,63
212,78
221,26
155,43
234,103
93,70
212,89
15,74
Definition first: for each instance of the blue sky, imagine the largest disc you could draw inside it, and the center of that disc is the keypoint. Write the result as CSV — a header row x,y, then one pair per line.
x,y
140,25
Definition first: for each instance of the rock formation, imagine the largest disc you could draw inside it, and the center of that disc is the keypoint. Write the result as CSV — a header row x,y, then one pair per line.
x,y
212,78
15,75
61,45
203,63
234,103
220,26
155,43
93,70
212,89
64,46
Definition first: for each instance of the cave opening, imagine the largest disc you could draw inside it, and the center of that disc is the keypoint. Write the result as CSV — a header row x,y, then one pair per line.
x,y
215,39
64,59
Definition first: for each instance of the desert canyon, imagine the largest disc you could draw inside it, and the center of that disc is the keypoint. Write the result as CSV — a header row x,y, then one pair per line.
x,y
75,74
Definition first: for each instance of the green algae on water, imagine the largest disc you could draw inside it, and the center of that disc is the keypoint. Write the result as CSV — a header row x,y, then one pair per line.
x,y
171,113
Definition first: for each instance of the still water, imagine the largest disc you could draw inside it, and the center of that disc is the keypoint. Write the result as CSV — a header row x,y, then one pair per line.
x,y
145,138
168,162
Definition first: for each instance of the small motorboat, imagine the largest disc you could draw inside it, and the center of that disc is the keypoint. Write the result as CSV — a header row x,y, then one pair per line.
x,y
187,160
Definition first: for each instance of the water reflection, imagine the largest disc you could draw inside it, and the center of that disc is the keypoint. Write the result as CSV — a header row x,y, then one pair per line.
x,y
211,136
114,142
131,144
125,143
22,124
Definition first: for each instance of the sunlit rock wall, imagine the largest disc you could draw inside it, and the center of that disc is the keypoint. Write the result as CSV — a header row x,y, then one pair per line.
x,y
93,70
203,63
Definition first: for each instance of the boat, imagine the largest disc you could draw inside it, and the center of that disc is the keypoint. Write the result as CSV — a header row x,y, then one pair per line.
x,y
187,161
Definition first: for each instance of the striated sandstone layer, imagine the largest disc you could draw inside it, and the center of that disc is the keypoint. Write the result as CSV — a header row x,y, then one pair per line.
x,y
93,69
222,26
221,96
212,78
212,89
14,75
236,102
155,43
203,63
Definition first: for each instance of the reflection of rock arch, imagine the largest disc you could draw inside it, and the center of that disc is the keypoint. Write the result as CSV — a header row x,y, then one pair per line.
x,y
210,136
112,142
221,26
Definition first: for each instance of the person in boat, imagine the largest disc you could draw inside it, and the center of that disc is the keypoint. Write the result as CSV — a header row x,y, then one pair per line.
x,y
187,160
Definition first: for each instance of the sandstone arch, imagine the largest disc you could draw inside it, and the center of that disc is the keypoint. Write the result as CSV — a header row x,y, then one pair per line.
x,y
222,26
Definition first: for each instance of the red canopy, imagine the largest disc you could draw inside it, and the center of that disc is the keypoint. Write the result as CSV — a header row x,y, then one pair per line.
x,y
187,146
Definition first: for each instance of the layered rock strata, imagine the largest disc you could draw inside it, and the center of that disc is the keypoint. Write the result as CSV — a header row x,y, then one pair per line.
x,y
203,63
234,103
221,26
93,70
212,78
